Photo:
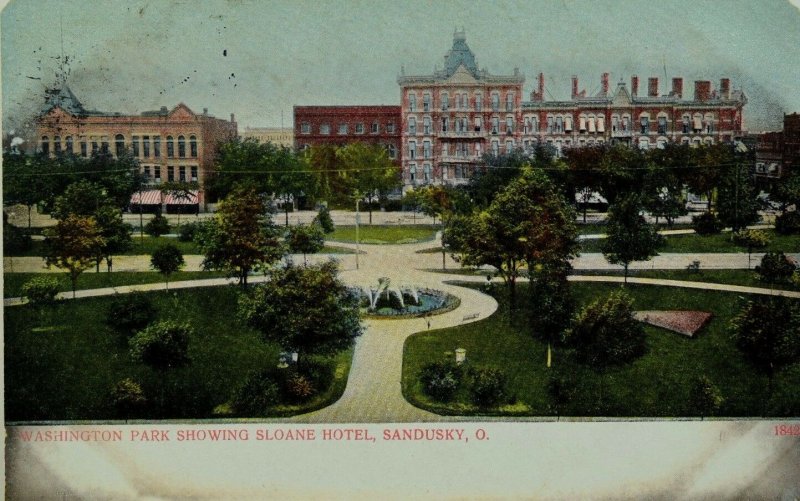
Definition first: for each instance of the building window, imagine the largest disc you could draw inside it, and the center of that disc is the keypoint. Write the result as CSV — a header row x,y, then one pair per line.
x,y
181,147
104,144
426,102
57,145
84,147
157,173
69,145
510,101
305,128
662,125
645,125
193,146
412,149
392,149
549,125
478,124
412,172
685,127
478,102
426,125
445,124
426,149
342,129
495,125
194,172
568,124
464,101
509,146
45,145
509,125
157,146
375,128
360,128
390,128
170,147
644,143
119,145
182,173
412,125
146,170
495,148
709,123
495,101
412,102
426,172
445,102
146,146
697,124
170,174
477,150
325,129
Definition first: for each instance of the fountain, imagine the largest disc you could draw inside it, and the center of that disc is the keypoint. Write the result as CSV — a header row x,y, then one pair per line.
x,y
405,301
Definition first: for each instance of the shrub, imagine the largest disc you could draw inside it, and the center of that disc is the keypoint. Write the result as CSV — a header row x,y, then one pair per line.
x,y
788,223
441,380
324,220
488,387
157,226
299,387
162,345
258,394
751,239
15,239
392,205
41,290
706,224
187,231
130,312
128,399
775,268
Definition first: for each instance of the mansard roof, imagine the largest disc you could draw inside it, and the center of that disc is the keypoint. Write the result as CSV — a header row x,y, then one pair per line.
x,y
62,97
460,54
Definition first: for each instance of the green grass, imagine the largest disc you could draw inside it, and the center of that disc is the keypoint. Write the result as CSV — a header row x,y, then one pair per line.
x,y
656,385
377,234
141,246
712,243
61,363
333,249
12,282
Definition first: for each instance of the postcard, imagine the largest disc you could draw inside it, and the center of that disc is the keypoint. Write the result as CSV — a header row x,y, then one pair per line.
x,y
401,250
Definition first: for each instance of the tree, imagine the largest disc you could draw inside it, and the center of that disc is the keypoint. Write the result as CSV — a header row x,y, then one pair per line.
x,y
439,201
25,182
306,239
241,237
499,172
373,174
775,268
162,345
737,197
324,220
605,333
750,239
73,244
706,224
157,226
167,259
786,191
115,232
127,398
304,309
551,306
629,236
704,166
180,190
83,198
767,331
704,397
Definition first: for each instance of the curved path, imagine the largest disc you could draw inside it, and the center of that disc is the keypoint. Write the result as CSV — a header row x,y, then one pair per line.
x,y
373,392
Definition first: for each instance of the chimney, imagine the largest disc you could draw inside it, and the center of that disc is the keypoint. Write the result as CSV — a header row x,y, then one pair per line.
x,y
725,88
232,119
652,87
604,84
538,94
164,110
205,111
677,87
702,90
634,85
574,86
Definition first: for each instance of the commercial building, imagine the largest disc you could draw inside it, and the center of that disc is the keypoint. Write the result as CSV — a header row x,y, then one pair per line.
x,y
170,144
455,115
777,153
278,136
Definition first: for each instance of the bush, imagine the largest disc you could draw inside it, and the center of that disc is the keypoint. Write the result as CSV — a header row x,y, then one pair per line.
x,y
788,223
441,380
15,239
41,290
128,399
706,224
162,345
258,394
130,312
488,387
775,268
393,205
324,220
299,387
157,226
187,231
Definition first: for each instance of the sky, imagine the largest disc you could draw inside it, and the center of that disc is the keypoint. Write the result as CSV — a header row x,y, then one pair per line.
x,y
257,59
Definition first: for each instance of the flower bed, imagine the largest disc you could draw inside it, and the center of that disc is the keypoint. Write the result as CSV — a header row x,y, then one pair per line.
x,y
684,322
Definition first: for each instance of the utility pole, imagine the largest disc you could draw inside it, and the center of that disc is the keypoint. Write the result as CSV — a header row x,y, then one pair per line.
x,y
358,216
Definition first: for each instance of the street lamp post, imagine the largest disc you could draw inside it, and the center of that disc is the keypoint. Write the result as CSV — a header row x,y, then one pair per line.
x,y
358,217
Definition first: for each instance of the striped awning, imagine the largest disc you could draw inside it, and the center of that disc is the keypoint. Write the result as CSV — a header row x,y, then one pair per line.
x,y
149,197
189,199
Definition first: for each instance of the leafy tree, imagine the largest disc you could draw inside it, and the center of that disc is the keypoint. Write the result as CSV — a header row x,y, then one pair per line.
x,y
115,232
306,239
243,162
25,182
630,236
704,397
561,389
775,268
620,172
83,198
241,238
705,164
187,231
325,168
706,224
324,220
605,333
304,309
370,170
167,259
14,239
737,197
180,190
488,387
551,307
41,290
788,223
130,312
162,345
119,176
767,331
663,186
440,201
72,244
499,172
583,164
787,191
750,239
128,399
157,226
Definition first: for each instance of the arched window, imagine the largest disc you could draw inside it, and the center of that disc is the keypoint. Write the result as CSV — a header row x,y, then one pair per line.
x,y
170,147
45,145
57,145
193,146
119,145
181,146
70,150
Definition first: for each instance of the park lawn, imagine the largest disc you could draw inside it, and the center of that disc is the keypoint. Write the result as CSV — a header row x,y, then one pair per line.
x,y
62,362
384,234
713,243
12,282
747,278
141,246
656,385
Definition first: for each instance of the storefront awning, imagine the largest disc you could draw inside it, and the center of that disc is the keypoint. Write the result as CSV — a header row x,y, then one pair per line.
x,y
149,197
187,198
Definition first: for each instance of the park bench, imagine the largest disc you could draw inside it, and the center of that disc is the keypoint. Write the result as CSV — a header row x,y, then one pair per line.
x,y
471,316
